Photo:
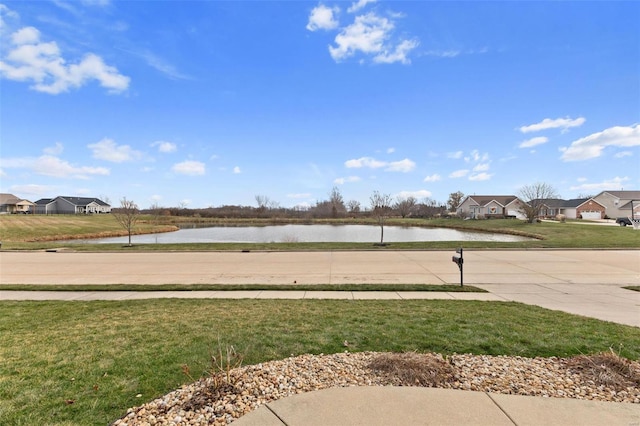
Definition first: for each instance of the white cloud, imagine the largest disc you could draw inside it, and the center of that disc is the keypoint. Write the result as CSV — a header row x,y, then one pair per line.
x,y
54,150
592,146
443,53
370,34
189,167
480,176
5,12
533,142
164,146
159,64
42,64
32,189
367,34
391,150
237,170
49,165
368,162
623,154
453,53
455,155
399,54
323,18
548,123
482,167
108,150
613,184
403,166
422,193
348,179
356,6
475,156
459,173
433,178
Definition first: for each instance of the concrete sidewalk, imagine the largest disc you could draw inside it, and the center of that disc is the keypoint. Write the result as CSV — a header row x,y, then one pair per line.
x,y
386,405
582,282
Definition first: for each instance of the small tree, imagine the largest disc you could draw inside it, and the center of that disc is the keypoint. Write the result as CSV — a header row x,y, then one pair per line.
x,y
127,216
455,198
381,210
534,197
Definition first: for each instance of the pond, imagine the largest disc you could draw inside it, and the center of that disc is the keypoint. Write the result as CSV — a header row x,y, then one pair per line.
x,y
309,233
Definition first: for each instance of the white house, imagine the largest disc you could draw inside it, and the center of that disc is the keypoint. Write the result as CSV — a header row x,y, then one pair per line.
x,y
490,206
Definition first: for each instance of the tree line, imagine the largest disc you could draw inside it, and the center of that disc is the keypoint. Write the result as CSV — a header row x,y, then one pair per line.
x,y
334,207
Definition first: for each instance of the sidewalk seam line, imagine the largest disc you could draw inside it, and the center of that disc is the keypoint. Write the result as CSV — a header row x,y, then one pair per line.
x,y
276,414
501,409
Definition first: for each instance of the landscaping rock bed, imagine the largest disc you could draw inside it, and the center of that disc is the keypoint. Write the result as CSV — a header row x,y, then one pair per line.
x,y
223,397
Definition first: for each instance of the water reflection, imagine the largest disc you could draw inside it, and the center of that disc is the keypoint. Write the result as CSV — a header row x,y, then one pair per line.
x,y
310,233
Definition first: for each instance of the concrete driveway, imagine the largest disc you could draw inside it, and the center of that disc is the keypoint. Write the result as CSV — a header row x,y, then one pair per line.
x,y
584,282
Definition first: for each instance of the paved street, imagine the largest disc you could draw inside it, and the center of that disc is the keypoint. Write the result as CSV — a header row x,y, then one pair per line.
x,y
585,282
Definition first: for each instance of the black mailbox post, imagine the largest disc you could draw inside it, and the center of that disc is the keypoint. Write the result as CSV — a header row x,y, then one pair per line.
x,y
458,260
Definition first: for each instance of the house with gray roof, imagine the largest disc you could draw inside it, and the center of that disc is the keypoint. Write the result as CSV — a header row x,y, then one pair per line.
x,y
577,208
71,205
619,203
490,206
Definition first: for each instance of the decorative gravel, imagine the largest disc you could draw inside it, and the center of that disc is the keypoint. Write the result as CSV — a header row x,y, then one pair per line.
x,y
216,401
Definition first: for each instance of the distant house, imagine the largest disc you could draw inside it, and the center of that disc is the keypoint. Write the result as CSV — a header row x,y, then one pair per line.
x,y
71,205
618,203
490,206
9,203
577,208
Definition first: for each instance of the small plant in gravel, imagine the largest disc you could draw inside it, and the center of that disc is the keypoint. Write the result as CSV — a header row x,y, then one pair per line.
x,y
222,375
414,369
607,369
223,362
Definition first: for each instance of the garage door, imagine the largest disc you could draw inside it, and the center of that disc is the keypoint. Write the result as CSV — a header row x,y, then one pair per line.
x,y
591,215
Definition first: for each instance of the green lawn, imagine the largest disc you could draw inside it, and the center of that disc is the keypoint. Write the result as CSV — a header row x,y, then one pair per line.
x,y
243,287
83,363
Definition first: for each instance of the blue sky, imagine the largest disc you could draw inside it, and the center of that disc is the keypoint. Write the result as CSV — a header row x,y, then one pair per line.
x,y
207,103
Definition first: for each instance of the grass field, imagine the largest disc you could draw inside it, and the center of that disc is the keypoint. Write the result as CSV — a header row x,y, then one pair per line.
x,y
85,363
37,232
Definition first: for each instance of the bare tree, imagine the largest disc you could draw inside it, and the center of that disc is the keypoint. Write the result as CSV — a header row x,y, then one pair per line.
x,y
381,209
337,203
127,216
104,198
534,197
455,198
156,212
429,208
353,206
404,205
263,203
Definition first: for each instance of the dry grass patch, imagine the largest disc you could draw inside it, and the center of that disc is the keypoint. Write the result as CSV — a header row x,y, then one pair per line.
x,y
413,369
607,369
